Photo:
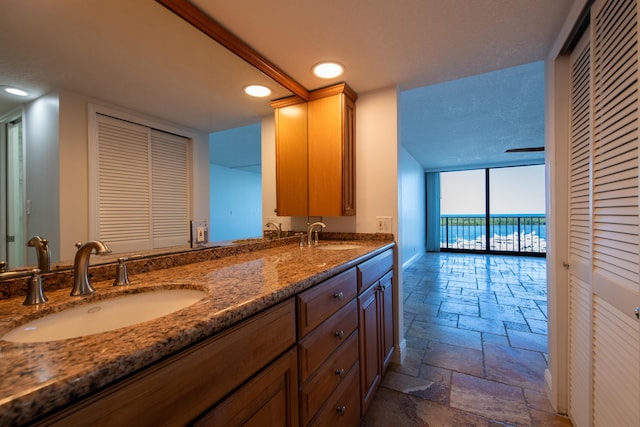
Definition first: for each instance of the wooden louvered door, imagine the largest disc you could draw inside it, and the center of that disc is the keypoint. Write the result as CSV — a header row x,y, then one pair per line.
x,y
604,227
580,236
615,226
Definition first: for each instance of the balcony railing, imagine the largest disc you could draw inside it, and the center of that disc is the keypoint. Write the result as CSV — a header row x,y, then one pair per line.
x,y
524,234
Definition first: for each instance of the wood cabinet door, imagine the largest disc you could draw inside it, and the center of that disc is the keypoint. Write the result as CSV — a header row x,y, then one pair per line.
x,y
270,399
325,156
291,160
369,330
386,305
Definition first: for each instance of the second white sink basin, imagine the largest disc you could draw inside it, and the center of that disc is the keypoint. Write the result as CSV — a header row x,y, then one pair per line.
x,y
337,247
105,315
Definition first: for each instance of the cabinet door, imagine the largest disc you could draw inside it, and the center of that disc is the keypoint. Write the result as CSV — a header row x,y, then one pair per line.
x,y
386,304
291,160
325,156
270,399
369,330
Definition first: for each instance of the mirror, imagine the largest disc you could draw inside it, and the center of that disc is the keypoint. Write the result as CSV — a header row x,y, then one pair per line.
x,y
134,57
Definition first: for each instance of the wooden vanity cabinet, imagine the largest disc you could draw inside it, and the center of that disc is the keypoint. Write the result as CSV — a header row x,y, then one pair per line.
x,y
328,352
248,373
375,311
315,153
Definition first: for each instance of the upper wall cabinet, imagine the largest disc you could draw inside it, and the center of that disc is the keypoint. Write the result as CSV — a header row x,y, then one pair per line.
x,y
315,153
291,157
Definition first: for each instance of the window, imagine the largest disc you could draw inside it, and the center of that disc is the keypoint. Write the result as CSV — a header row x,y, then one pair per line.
x,y
512,215
140,186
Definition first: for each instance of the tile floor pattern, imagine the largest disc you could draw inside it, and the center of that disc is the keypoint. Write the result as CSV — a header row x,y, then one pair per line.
x,y
476,332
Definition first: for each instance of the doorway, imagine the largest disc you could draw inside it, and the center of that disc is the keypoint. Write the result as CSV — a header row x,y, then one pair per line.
x,y
12,179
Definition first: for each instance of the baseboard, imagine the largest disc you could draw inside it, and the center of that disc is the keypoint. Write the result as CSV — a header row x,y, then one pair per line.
x,y
548,389
411,260
399,353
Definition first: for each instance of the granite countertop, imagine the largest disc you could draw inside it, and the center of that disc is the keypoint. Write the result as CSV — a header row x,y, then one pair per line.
x,y
40,377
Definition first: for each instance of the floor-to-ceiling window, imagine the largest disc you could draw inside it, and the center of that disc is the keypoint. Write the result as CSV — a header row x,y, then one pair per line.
x,y
505,204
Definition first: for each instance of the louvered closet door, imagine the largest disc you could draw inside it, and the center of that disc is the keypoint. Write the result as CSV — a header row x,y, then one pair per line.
x,y
170,189
143,186
580,237
615,227
124,185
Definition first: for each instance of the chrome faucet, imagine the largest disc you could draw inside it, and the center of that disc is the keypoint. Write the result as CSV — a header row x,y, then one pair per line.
x,y
278,228
42,251
310,230
81,285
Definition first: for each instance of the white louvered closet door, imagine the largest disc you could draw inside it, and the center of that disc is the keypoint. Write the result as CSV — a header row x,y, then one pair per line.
x,y
143,191
580,236
170,189
123,185
615,227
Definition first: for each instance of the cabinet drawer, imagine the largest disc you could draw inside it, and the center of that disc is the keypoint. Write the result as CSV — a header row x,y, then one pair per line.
x,y
373,269
326,338
318,303
343,407
332,373
192,380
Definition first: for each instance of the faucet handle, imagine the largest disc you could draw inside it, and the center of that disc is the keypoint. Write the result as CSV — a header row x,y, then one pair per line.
x,y
4,267
35,292
122,278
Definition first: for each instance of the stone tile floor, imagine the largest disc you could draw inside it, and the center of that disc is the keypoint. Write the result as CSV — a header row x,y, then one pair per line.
x,y
476,332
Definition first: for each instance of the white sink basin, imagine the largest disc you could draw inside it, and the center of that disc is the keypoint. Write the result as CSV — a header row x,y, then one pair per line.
x,y
337,247
105,315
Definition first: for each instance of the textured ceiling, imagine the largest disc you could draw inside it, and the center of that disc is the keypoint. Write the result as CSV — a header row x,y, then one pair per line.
x,y
476,118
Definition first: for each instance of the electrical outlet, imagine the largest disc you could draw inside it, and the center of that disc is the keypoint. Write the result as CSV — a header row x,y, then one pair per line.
x,y
199,233
383,224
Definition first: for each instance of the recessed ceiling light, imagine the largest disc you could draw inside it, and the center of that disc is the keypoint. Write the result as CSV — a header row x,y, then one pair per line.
x,y
257,91
15,91
328,70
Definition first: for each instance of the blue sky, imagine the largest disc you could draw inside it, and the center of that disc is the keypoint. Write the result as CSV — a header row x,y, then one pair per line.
x,y
513,191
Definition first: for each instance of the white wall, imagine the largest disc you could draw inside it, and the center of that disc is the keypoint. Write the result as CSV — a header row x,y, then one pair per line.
x,y
235,204
413,214
74,191
41,137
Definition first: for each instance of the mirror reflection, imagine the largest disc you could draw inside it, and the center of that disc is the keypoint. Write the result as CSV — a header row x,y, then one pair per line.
x,y
139,60
235,183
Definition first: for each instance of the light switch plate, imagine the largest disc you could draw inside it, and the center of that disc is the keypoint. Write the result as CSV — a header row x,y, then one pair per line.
x,y
199,233
383,224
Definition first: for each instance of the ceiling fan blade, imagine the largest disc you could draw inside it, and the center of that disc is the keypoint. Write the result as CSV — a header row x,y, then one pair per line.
x,y
524,150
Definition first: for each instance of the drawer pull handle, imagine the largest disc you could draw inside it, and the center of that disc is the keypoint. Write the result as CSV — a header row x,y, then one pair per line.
x,y
341,410
340,372
339,296
340,334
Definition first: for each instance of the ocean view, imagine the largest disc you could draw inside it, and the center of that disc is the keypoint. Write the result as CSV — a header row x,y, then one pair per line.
x,y
508,232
